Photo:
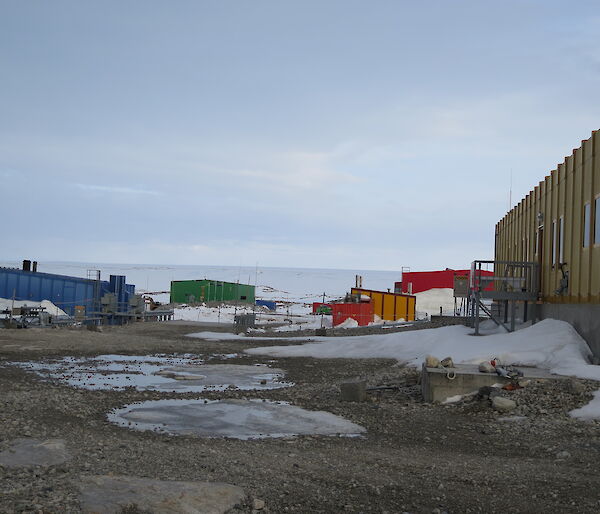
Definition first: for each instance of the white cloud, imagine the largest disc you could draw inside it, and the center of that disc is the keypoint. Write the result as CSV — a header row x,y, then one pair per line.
x,y
116,189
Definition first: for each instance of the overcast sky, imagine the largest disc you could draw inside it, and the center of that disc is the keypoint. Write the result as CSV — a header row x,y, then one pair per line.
x,y
343,134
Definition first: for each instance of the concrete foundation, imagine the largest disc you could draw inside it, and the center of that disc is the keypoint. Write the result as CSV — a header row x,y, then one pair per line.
x,y
584,317
437,384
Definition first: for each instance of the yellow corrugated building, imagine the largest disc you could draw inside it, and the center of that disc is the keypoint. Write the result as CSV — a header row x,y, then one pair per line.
x,y
390,306
557,225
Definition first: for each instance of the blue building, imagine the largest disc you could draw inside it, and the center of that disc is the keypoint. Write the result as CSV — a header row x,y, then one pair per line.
x,y
98,297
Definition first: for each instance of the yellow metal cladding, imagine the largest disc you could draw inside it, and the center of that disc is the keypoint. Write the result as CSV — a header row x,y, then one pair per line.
x,y
390,306
558,226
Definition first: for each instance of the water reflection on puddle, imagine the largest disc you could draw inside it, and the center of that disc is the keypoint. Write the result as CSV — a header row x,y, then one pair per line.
x,y
156,372
239,419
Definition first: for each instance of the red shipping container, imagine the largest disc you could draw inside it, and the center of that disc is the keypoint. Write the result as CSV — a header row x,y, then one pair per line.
x,y
361,312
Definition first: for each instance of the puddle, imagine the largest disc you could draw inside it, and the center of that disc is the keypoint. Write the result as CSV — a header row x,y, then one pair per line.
x,y
156,372
239,419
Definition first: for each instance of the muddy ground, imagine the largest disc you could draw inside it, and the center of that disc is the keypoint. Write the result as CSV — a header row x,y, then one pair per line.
x,y
415,457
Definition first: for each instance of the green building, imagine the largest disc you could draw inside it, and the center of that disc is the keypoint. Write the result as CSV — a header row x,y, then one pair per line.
x,y
194,291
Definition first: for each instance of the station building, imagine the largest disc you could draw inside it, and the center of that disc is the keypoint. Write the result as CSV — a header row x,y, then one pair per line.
x,y
557,226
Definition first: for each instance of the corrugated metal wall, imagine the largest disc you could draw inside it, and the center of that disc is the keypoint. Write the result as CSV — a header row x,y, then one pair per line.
x,y
63,291
559,223
189,291
390,306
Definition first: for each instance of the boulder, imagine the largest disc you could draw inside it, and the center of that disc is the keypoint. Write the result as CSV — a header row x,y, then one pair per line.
x,y
355,391
432,362
486,367
502,404
447,362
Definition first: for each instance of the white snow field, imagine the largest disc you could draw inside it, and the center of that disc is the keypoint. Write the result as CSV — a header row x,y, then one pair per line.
x,y
298,285
53,310
550,344
429,302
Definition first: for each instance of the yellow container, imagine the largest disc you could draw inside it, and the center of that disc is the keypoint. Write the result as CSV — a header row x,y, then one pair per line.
x,y
390,306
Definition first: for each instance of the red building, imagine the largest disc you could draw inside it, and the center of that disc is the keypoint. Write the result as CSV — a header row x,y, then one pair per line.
x,y
414,282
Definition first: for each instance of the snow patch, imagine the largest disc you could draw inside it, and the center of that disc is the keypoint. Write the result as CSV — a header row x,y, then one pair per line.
x,y
550,344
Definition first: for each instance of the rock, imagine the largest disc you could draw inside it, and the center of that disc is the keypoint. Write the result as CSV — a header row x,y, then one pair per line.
x,y
108,495
432,362
447,362
258,504
563,455
34,452
353,391
486,367
487,392
575,387
502,404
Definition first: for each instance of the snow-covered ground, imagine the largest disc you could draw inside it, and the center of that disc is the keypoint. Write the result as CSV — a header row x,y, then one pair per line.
x,y
285,318
430,302
550,344
6,303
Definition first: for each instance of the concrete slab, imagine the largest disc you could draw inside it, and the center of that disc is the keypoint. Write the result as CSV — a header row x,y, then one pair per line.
x,y
34,452
115,494
437,384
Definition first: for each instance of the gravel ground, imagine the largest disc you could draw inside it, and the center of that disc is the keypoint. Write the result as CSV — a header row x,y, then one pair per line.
x,y
414,458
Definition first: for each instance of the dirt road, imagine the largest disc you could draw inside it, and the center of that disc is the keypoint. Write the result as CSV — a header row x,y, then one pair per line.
x,y
415,457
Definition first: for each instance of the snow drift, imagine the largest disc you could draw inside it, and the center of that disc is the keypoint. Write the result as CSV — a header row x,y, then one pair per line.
x,y
550,344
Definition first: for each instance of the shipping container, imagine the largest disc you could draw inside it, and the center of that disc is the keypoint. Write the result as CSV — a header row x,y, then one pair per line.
x,y
321,308
390,306
269,304
361,312
198,291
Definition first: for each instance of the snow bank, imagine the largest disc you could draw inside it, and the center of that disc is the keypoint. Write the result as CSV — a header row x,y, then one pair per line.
x,y
550,344
429,302
589,411
221,314
53,310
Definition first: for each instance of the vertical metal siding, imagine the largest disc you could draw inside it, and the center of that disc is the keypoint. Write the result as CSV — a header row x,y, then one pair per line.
x,y
63,291
562,194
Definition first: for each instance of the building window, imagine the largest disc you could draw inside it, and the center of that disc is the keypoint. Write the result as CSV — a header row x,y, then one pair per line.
x,y
561,240
554,244
597,221
586,224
